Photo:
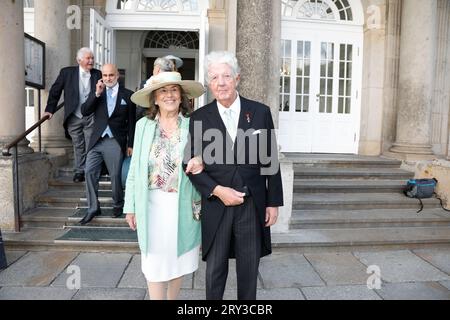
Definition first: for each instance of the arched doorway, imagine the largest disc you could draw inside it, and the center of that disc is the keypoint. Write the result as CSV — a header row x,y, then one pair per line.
x,y
320,80
183,44
134,32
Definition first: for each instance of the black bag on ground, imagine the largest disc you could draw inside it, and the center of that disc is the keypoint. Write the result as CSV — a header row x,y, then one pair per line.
x,y
422,189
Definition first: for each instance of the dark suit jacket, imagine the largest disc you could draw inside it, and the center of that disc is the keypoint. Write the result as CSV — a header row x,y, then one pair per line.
x,y
245,159
68,80
122,121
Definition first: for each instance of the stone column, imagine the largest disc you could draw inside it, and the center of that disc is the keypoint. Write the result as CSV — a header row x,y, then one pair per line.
x,y
12,69
258,51
417,74
258,40
51,28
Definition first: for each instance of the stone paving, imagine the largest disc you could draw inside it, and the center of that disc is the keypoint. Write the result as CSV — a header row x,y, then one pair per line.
x,y
285,275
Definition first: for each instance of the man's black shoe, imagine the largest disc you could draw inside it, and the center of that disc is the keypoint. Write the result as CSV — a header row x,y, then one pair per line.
x,y
78,177
88,217
117,212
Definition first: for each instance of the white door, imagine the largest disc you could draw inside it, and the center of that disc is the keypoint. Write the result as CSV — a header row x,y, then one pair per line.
x,y
320,91
101,40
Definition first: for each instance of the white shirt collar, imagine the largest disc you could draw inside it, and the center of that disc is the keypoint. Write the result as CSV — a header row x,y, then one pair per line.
x,y
81,71
235,106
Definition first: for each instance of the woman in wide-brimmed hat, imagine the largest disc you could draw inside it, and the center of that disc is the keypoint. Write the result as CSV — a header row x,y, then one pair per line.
x,y
160,201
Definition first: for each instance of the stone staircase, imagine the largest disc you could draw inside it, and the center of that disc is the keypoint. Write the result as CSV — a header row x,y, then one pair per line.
x,y
354,201
340,202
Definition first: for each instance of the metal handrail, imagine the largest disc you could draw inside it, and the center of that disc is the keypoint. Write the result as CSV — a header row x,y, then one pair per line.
x,y
15,142
6,153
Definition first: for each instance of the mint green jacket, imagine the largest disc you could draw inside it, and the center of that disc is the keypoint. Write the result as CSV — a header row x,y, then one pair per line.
x,y
136,191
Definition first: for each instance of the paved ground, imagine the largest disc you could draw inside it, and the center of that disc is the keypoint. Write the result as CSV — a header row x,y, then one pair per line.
x,y
405,274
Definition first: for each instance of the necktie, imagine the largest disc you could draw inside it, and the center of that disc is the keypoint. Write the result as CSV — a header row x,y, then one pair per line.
x,y
110,101
230,124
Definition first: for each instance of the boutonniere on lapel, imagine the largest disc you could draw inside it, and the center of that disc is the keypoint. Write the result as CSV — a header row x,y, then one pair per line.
x,y
248,117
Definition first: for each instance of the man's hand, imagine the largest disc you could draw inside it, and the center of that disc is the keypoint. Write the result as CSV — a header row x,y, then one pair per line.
x,y
50,115
195,166
271,216
129,152
229,196
99,88
131,219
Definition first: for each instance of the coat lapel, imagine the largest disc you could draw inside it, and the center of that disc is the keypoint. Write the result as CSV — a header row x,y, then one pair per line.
x,y
244,124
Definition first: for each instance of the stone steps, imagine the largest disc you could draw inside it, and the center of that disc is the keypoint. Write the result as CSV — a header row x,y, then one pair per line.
x,y
384,218
358,201
71,199
66,184
340,161
351,173
364,237
340,202
299,240
348,185
49,217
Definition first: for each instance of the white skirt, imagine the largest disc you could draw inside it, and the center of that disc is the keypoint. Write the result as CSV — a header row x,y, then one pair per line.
x,y
161,262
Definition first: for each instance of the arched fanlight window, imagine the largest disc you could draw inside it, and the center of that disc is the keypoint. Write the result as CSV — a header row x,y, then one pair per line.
x,y
172,39
334,10
158,5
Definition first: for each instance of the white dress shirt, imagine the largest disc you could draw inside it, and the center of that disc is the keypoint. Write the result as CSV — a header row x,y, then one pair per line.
x,y
236,111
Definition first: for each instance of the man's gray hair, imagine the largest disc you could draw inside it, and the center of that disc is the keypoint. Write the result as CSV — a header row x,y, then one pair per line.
x,y
165,64
82,52
222,57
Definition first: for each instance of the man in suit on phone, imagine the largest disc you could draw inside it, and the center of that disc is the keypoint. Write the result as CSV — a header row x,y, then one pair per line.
x,y
77,83
112,138
241,182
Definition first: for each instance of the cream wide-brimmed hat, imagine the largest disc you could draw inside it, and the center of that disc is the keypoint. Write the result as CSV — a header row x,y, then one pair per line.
x,y
193,89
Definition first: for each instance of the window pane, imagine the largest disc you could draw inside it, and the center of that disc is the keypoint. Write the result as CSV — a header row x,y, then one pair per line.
x,y
322,87
322,105
342,52
307,50
306,88
330,69
300,68
298,107
323,51
342,70
341,105
330,87
341,87
347,105
300,49
348,92
286,103
323,69
305,103
330,105
287,85
349,52
299,85
307,68
349,70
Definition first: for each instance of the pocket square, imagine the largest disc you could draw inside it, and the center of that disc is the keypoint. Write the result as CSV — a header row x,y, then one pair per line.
x,y
123,102
256,132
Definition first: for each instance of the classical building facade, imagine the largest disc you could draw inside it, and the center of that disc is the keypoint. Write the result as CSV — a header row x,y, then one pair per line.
x,y
366,77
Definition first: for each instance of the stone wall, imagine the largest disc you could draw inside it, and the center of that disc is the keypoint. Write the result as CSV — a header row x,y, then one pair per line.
x,y
439,169
35,170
